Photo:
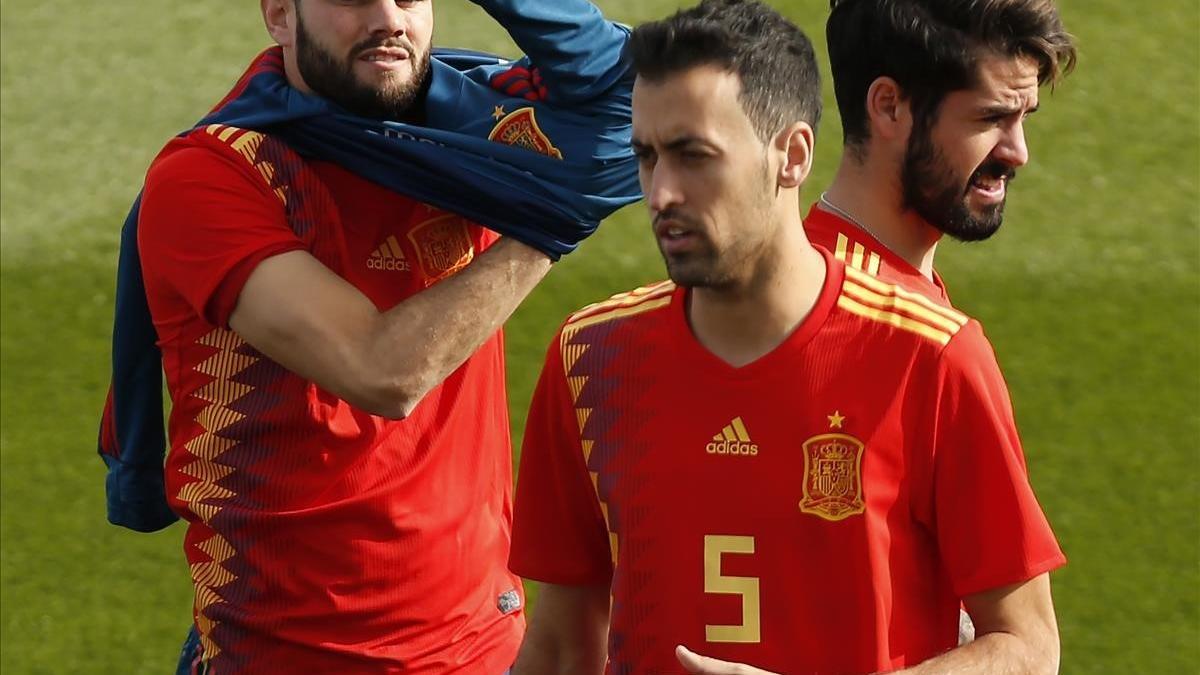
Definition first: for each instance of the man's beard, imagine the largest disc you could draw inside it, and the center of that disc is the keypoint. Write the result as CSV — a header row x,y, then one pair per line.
x,y
931,189
335,80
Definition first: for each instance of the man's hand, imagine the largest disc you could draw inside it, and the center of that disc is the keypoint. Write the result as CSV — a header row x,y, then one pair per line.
x,y
703,665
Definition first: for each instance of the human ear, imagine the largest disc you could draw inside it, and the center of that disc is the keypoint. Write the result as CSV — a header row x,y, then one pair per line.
x,y
888,110
796,143
279,17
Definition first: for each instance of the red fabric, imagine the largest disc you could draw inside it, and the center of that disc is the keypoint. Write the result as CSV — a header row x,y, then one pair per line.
x,y
108,435
519,81
322,538
947,508
823,228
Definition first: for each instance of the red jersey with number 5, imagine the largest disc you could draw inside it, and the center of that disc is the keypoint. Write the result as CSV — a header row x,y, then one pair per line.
x,y
820,510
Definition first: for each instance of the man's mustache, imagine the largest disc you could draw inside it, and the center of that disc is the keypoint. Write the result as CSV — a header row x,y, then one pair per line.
x,y
675,215
994,169
388,43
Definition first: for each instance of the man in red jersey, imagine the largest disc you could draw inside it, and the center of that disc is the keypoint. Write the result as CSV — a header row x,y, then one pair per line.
x,y
775,459
339,430
933,96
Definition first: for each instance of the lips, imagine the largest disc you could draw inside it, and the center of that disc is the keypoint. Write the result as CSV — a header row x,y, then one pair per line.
x,y
675,234
670,229
385,54
671,224
988,184
991,180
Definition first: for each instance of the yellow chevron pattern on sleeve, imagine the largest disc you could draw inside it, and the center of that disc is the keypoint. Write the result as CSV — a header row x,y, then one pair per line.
x,y
870,298
637,301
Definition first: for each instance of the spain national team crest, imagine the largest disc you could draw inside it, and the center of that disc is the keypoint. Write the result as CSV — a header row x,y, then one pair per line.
x,y
520,128
833,476
443,245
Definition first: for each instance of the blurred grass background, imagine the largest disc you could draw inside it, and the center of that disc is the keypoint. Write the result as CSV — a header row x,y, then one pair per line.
x,y
1090,293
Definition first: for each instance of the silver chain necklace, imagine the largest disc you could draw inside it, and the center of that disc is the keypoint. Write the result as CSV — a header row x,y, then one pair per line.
x,y
824,200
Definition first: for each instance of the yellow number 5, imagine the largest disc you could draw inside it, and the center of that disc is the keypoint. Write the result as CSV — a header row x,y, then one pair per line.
x,y
714,582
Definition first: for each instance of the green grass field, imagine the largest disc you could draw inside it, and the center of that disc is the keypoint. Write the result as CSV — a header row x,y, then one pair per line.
x,y
1091,295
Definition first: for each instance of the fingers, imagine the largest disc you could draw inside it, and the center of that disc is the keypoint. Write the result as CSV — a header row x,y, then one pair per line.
x,y
704,665
691,662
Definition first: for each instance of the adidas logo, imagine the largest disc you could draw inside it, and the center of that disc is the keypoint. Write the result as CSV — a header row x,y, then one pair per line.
x,y
733,440
389,256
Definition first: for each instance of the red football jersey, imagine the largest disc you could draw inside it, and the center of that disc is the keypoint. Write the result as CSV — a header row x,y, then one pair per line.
x,y
323,539
857,248
820,510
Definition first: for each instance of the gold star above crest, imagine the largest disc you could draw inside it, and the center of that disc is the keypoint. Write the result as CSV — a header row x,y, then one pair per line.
x,y
498,112
836,419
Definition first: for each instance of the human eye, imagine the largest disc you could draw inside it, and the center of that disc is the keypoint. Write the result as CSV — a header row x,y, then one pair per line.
x,y
643,154
694,154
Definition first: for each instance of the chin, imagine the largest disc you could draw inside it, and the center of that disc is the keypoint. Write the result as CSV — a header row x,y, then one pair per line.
x,y
685,275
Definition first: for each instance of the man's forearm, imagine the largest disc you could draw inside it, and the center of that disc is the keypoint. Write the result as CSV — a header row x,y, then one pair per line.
x,y
568,634
543,657
426,337
992,654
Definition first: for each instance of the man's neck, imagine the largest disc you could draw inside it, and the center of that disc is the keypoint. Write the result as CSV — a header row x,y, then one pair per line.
x,y
747,320
872,198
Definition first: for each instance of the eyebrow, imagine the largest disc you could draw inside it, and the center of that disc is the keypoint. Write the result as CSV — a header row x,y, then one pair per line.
x,y
1001,110
676,143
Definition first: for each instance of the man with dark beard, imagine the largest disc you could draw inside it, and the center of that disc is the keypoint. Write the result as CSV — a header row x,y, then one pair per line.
x,y
339,439
385,89
933,96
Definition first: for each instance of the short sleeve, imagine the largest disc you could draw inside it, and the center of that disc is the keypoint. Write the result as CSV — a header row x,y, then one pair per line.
x,y
206,221
991,531
559,533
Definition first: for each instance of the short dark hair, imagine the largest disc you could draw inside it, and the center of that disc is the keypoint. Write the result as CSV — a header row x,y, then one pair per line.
x,y
772,57
933,47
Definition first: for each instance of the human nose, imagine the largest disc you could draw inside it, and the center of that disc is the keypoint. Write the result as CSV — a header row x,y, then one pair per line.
x,y
388,18
661,187
1012,149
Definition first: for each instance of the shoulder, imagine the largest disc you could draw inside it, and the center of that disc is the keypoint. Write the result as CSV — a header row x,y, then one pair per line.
x,y
215,153
604,329
638,309
940,343
210,186
638,302
902,312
